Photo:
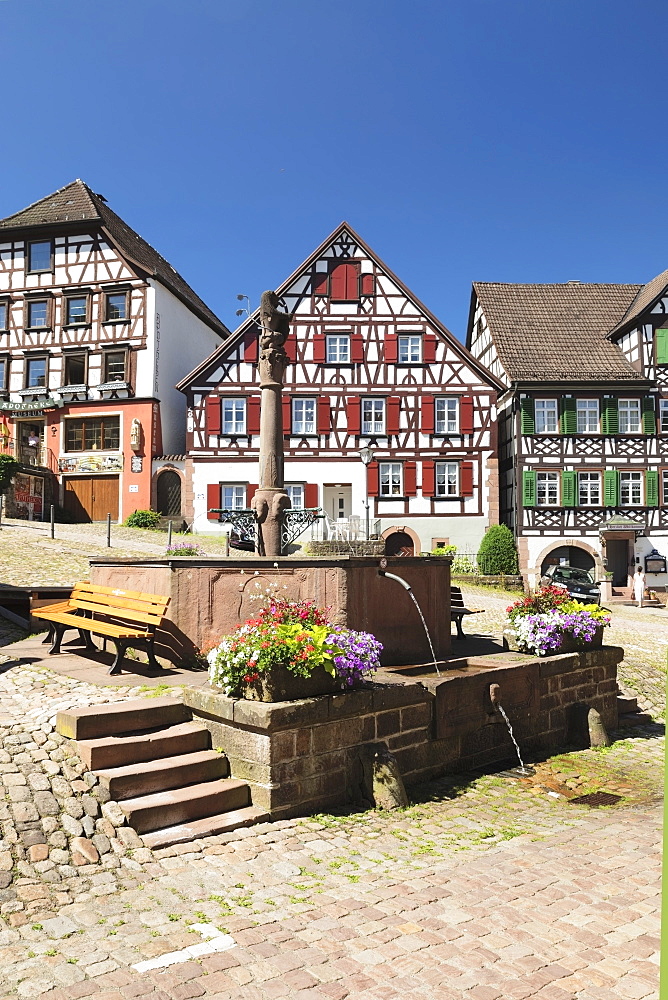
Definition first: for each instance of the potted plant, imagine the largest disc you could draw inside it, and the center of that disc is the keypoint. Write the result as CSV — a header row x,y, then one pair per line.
x,y
550,622
290,651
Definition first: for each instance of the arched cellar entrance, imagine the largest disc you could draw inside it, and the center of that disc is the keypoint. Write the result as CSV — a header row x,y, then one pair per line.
x,y
401,542
169,494
573,555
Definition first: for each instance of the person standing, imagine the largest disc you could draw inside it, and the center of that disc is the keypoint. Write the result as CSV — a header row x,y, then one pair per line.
x,y
639,585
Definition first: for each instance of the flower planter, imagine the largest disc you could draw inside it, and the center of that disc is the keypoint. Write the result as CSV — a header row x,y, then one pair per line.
x,y
569,643
280,684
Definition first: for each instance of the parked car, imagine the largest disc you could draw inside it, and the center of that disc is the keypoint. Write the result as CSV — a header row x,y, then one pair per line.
x,y
578,582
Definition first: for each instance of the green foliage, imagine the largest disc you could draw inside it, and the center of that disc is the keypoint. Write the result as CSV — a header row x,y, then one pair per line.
x,y
142,519
462,564
444,550
8,469
497,553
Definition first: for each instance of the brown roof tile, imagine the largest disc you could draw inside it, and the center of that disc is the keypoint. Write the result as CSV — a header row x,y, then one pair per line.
x,y
554,332
645,298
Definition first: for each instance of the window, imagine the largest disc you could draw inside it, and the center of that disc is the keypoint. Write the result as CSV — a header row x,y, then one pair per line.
x,y
296,494
589,489
373,416
410,348
4,372
39,256
303,416
629,416
663,416
547,489
233,497
117,306
344,283
338,349
546,416
76,311
92,434
630,489
447,411
390,479
234,416
665,487
75,369
587,411
447,479
114,366
4,315
35,373
38,314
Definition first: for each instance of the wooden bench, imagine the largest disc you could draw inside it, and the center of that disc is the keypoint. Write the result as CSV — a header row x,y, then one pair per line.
x,y
458,610
127,617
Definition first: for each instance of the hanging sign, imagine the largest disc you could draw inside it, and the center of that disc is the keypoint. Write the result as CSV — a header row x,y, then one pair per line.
x,y
45,404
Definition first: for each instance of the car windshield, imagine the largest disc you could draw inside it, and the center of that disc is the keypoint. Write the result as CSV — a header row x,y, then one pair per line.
x,y
572,575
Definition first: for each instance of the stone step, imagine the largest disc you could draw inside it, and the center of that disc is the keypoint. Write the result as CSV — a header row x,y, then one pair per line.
x,y
159,775
179,805
634,719
133,748
626,704
209,826
120,717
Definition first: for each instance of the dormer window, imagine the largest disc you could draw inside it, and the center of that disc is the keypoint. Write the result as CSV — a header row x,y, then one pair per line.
x,y
40,256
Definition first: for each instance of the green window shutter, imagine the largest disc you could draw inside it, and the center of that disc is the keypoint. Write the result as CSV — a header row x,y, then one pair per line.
x,y
610,417
652,488
661,340
528,488
568,420
610,488
568,489
648,415
527,418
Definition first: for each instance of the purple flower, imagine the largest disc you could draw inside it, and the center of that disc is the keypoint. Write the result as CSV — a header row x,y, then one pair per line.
x,y
355,654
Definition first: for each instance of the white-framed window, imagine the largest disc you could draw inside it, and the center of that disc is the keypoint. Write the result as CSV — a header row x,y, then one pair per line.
x,y
663,416
587,413
296,493
390,480
447,479
447,415
547,489
373,416
303,416
546,416
589,489
410,348
630,489
233,496
234,416
338,348
629,416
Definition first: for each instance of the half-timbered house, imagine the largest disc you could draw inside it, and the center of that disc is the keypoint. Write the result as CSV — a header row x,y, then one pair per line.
x,y
374,372
583,421
96,328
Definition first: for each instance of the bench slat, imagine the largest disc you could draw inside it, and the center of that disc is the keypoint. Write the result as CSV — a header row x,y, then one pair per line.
x,y
134,595
121,601
118,612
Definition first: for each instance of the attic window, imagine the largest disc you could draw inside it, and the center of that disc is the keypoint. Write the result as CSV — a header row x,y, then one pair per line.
x,y
40,256
344,283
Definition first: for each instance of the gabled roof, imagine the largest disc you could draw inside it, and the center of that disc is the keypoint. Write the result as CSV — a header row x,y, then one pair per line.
x,y
647,297
76,202
557,332
344,227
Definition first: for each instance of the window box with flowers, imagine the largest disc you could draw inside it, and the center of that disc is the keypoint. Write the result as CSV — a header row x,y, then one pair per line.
x,y
289,651
551,622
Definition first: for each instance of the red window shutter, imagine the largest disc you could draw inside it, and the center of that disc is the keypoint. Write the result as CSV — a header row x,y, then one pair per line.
x,y
466,479
287,415
391,348
392,414
250,344
410,479
320,283
466,415
357,348
291,348
212,414
253,415
354,414
324,415
212,500
319,349
368,284
251,490
344,283
311,495
429,348
428,479
372,485
427,421
352,282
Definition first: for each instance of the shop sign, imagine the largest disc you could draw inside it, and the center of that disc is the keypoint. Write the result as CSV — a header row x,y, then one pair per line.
x,y
136,463
91,463
28,495
7,406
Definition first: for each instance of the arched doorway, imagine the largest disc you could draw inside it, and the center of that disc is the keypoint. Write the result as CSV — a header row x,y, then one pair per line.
x,y
169,494
399,543
570,554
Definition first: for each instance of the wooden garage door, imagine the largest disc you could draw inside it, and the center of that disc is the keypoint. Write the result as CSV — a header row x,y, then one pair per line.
x,y
91,498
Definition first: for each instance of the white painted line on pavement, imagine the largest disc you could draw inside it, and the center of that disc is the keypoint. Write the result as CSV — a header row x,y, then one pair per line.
x,y
217,941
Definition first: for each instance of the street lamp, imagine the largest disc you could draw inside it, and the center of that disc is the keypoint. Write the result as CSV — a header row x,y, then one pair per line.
x,y
245,309
366,454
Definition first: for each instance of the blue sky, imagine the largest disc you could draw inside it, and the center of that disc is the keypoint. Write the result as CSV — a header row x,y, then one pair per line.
x,y
497,140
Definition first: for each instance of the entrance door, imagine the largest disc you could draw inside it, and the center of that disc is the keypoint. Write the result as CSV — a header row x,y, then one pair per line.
x,y
338,501
617,550
169,493
91,498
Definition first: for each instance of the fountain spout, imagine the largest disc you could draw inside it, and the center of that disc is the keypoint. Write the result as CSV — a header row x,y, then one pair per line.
x,y
391,576
494,695
407,587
